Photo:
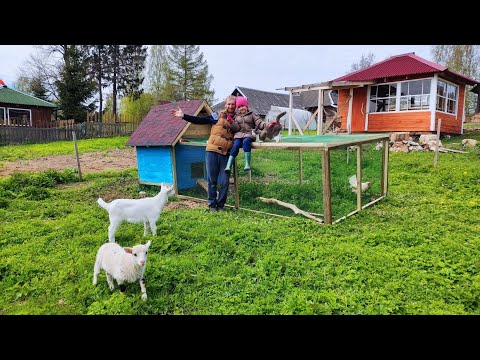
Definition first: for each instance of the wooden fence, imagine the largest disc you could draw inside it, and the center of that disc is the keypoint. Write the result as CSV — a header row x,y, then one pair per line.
x,y
86,130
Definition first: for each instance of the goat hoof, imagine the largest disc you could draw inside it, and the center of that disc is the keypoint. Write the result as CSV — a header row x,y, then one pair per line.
x,y
122,288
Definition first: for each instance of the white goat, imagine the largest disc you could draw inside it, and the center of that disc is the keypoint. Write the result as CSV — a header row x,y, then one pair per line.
x,y
126,265
146,210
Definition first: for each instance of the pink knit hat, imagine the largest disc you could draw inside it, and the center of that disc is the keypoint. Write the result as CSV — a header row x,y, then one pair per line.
x,y
241,101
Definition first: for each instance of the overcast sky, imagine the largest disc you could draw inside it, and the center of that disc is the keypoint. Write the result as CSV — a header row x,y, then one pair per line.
x,y
262,67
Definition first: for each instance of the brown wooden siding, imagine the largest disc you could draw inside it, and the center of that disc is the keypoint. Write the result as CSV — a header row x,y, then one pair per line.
x,y
450,124
358,109
418,121
342,96
400,121
41,117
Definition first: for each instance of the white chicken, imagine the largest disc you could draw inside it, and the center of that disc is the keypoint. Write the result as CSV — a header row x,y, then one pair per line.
x,y
353,183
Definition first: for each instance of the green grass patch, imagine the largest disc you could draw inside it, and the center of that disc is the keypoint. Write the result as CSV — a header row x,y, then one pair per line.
x,y
415,252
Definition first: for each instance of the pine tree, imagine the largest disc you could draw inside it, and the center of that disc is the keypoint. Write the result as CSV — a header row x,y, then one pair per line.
x,y
188,76
38,89
99,68
132,69
75,87
125,72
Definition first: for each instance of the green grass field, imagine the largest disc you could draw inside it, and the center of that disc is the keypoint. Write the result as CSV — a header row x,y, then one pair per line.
x,y
415,252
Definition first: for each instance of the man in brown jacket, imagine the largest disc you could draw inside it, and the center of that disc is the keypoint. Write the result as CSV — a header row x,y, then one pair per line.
x,y
218,150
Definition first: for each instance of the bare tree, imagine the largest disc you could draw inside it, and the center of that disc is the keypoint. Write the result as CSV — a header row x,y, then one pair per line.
x,y
44,65
365,61
464,59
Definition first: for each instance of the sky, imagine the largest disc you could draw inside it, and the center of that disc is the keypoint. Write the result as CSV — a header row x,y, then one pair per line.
x,y
261,67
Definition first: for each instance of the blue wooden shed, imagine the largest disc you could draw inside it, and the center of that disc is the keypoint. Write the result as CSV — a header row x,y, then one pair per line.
x,y
164,154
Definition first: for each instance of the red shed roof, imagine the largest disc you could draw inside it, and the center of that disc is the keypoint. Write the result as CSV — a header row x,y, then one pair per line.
x,y
401,65
159,127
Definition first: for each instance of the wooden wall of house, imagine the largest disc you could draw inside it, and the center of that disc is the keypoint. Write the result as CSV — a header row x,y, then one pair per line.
x,y
452,124
190,165
358,109
399,121
415,121
42,117
343,114
154,165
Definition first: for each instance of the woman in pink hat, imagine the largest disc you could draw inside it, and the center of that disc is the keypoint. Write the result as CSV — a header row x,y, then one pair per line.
x,y
245,122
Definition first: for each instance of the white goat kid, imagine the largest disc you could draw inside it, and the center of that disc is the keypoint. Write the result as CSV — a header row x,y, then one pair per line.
x,y
146,210
126,265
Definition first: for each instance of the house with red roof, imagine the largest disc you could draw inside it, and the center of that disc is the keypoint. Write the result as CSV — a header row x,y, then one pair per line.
x,y
407,93
169,149
402,93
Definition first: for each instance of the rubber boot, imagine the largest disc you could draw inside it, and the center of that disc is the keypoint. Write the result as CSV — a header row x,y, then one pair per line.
x,y
248,156
228,168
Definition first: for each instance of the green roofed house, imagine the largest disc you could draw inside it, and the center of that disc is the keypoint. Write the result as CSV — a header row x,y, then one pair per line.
x,y
19,109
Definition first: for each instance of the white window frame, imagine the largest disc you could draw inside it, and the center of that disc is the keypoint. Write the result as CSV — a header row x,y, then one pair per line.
x,y
29,111
408,96
4,119
398,96
382,98
446,97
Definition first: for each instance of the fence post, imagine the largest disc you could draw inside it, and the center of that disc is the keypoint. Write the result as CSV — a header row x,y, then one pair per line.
x,y
435,157
76,152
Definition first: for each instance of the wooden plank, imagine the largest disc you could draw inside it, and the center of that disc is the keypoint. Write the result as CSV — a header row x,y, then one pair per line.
x,y
174,170
452,150
231,206
293,207
300,172
437,143
235,183
320,127
326,184
356,211
76,153
359,177
385,153
312,117
296,146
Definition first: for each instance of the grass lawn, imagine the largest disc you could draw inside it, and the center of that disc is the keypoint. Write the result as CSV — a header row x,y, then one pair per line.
x,y
415,252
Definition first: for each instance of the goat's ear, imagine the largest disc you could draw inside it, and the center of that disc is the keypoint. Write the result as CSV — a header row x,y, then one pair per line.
x,y
128,250
148,244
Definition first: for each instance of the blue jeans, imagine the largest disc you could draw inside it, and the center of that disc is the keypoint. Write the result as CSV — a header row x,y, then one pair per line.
x,y
216,174
245,144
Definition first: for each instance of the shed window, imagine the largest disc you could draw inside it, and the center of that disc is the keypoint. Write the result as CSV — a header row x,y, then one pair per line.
x,y
447,96
197,170
400,96
383,98
19,117
415,95
3,118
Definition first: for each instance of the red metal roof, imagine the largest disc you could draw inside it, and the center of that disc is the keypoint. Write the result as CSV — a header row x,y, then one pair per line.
x,y
159,127
401,65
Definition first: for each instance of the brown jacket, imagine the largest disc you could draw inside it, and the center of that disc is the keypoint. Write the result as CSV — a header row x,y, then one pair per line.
x,y
244,124
221,136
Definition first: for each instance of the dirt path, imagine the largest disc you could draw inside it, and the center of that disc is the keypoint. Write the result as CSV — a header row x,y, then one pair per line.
x,y
114,159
